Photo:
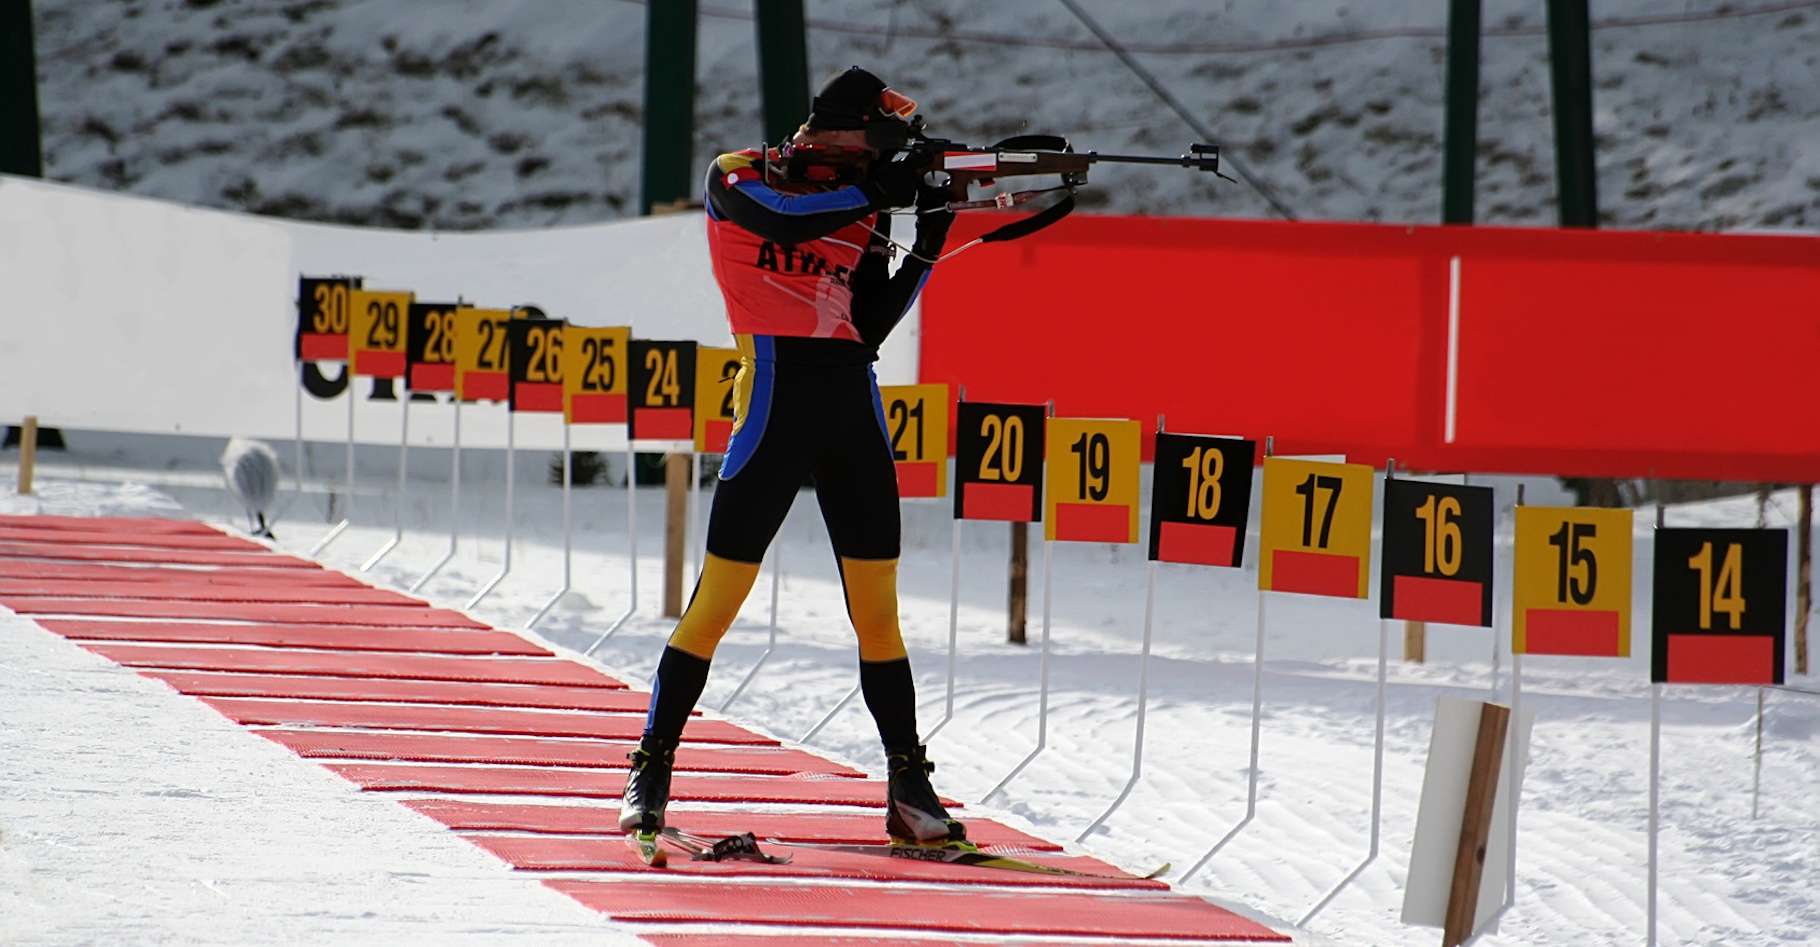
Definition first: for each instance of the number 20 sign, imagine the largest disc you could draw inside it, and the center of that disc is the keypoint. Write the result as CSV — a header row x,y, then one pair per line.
x,y
1316,533
1092,483
916,421
998,461
1571,593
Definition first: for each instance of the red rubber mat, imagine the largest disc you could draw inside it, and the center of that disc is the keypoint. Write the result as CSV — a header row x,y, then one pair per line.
x,y
229,575
202,592
553,853
836,827
531,751
1066,914
127,524
526,781
392,616
185,557
103,537
721,939
391,690
522,723
427,667
330,637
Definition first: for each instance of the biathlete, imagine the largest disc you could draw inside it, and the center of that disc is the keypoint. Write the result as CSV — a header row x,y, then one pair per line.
x,y
800,243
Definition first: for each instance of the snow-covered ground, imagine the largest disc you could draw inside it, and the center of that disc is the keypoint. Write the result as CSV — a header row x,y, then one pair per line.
x,y
1726,878
483,113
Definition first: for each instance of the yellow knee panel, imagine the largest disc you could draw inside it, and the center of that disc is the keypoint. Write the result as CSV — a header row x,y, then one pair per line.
x,y
872,606
722,590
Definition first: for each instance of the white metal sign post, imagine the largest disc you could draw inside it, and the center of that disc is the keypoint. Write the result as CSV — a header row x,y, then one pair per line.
x,y
568,532
777,571
454,504
404,454
631,549
347,510
511,461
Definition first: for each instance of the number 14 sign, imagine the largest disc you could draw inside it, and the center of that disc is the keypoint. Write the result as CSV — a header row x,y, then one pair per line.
x,y
1719,615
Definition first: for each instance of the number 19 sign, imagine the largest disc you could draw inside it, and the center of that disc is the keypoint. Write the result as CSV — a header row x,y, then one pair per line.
x,y
1093,480
1571,593
1316,533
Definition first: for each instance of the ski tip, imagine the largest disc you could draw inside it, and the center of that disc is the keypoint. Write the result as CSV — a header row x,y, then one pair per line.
x,y
1159,871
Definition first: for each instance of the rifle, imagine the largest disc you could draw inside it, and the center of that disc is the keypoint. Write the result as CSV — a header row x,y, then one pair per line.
x,y
957,167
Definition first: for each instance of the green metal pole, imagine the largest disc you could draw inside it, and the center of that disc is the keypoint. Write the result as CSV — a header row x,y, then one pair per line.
x,y
783,66
1570,62
19,133
1462,132
669,160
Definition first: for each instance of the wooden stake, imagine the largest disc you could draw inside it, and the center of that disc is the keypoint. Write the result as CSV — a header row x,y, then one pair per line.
x,y
1018,604
28,453
1415,641
676,502
1475,824
1804,575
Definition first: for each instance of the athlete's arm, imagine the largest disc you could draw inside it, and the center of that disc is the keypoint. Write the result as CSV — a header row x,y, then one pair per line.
x,y
736,191
880,302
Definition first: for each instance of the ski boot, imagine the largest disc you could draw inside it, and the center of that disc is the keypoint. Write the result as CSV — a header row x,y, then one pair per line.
x,y
913,812
641,810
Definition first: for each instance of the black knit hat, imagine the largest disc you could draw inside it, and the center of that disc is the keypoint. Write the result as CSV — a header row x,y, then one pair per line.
x,y
846,102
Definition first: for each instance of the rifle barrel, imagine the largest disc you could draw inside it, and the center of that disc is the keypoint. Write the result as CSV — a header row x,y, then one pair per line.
x,y
1207,163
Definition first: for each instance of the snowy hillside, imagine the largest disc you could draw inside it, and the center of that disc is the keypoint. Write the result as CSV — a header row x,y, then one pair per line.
x,y
462,114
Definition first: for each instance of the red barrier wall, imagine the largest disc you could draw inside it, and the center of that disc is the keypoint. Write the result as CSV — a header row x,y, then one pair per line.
x,y
1582,353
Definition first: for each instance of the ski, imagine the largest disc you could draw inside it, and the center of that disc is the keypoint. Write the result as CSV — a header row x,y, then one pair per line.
x,y
962,853
742,847
649,852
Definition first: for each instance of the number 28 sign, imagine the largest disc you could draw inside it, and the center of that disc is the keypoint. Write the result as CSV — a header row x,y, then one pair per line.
x,y
1093,480
1316,533
1571,593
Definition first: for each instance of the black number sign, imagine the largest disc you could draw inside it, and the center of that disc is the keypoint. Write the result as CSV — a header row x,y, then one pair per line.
x,y
430,347
1200,499
1437,553
1719,615
534,350
998,456
662,391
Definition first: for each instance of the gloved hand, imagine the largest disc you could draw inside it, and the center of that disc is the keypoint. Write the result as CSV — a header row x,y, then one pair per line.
x,y
892,184
933,219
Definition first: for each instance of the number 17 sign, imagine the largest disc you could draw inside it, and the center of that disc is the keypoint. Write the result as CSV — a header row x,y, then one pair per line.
x,y
1316,534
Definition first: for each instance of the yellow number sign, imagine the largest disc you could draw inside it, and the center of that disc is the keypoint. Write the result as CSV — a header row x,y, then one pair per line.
x,y
480,354
715,372
916,421
594,373
1571,593
376,333
1315,535
1091,494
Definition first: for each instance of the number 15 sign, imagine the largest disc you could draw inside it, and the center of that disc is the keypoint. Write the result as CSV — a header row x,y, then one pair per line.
x,y
1571,593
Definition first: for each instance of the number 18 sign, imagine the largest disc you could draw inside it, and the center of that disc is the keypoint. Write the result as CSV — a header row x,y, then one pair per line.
x,y
1200,499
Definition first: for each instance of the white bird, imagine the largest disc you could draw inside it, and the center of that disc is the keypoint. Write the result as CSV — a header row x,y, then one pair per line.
x,y
252,474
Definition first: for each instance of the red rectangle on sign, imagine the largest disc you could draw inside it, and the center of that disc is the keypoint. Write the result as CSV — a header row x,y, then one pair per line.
x,y
427,377
537,396
1195,543
1314,573
1093,522
1721,659
1421,598
665,424
322,347
598,409
919,479
1568,631
1012,502
716,435
379,364
487,385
